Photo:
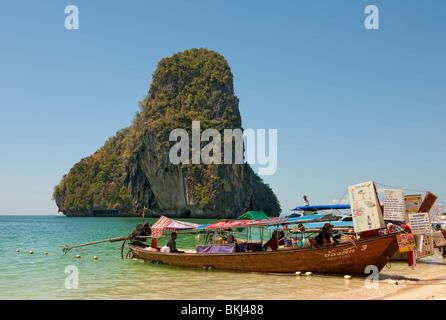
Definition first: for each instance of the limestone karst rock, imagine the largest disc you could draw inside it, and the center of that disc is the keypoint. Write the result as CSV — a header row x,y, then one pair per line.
x,y
132,169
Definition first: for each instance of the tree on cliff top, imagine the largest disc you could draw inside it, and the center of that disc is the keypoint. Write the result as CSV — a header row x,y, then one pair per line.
x,y
196,84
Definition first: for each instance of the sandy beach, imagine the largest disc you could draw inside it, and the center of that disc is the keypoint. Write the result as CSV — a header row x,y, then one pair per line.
x,y
425,290
427,281
433,288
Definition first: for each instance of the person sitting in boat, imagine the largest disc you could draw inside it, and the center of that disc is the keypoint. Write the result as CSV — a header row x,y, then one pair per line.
x,y
172,244
324,237
274,242
337,238
231,239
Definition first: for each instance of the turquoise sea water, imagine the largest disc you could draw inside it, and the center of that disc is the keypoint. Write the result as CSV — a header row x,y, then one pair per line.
x,y
39,276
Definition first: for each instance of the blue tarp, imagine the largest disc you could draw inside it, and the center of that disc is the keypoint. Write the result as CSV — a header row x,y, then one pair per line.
x,y
315,225
204,225
226,248
334,223
316,208
305,218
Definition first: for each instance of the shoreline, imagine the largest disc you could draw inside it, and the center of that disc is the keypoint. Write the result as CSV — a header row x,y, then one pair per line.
x,y
422,291
412,284
399,281
432,288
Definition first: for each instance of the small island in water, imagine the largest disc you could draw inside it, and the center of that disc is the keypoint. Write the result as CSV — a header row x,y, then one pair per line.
x,y
132,170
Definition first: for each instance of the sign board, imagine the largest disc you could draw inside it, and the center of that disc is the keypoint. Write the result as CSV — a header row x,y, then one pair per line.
x,y
428,202
394,205
412,203
406,242
425,243
365,207
420,223
436,212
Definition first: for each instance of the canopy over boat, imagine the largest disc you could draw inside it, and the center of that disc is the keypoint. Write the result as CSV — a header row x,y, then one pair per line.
x,y
164,223
244,223
253,215
181,225
314,221
306,218
319,225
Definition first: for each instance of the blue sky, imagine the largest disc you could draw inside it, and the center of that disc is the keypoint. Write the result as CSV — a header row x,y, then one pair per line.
x,y
350,104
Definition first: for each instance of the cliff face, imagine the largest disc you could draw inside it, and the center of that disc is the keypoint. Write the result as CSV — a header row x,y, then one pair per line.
x,y
195,85
204,191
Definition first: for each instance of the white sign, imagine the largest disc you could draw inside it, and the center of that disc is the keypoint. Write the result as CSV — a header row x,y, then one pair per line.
x,y
365,207
394,206
413,202
420,223
436,213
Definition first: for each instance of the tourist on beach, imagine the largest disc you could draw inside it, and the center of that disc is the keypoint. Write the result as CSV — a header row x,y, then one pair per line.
x,y
442,249
306,202
172,244
324,237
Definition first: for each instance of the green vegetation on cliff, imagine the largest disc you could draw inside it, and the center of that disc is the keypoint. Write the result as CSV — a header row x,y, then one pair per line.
x,y
193,85
97,182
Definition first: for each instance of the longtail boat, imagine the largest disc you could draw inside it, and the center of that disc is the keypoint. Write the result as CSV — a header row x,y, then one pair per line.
x,y
346,258
351,256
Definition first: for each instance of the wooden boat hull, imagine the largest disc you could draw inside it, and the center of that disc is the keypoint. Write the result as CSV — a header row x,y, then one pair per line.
x,y
345,258
400,256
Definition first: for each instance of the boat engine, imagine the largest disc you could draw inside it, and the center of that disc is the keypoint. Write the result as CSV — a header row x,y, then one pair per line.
x,y
141,230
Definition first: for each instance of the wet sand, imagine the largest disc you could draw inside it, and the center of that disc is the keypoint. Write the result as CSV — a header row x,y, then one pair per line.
x,y
428,290
432,287
427,281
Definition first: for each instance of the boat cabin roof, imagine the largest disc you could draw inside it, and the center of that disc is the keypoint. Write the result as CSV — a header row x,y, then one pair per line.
x,y
318,208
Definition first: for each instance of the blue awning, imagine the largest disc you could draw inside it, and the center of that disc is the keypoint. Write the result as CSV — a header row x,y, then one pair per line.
x,y
317,225
305,218
339,224
204,225
316,208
